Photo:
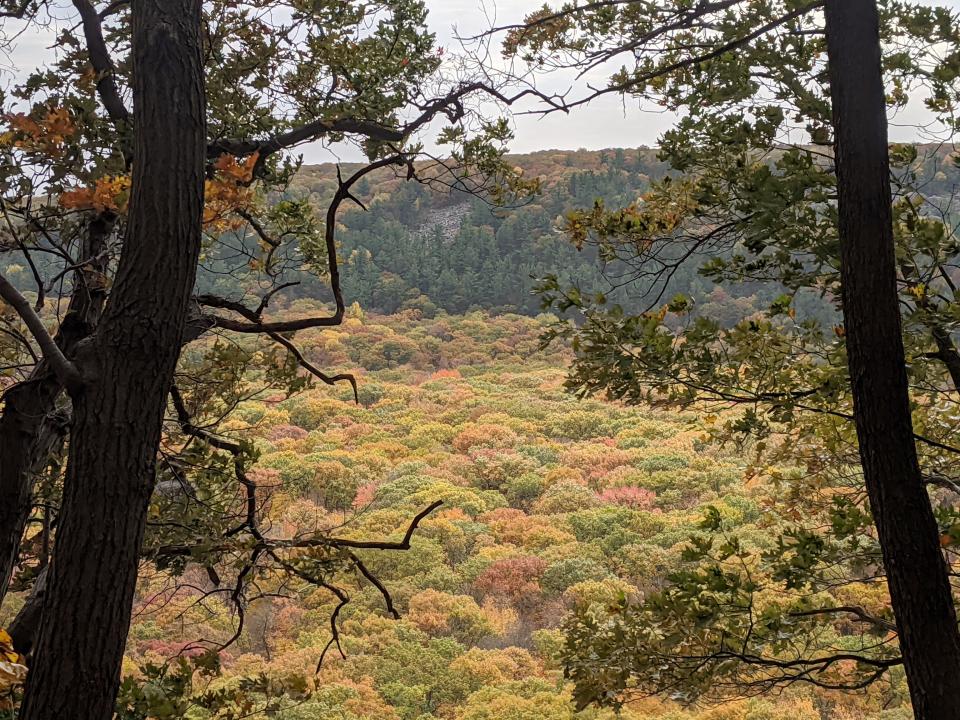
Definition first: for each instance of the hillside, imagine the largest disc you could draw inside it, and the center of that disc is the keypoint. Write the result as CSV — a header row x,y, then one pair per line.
x,y
432,249
417,246
549,504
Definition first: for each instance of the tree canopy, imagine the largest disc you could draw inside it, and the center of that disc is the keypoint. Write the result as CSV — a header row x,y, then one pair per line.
x,y
149,139
752,197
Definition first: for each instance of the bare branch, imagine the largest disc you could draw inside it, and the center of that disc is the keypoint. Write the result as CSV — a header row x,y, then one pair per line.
x,y
693,60
65,370
375,581
449,105
101,62
304,133
310,542
313,370
255,324
382,544
854,610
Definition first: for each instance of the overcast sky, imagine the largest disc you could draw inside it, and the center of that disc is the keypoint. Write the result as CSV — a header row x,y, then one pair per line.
x,y
609,121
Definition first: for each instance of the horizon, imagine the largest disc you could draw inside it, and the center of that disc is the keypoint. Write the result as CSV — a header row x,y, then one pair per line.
x,y
608,122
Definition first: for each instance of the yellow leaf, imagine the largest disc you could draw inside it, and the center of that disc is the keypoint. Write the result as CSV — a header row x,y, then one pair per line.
x,y
11,674
7,651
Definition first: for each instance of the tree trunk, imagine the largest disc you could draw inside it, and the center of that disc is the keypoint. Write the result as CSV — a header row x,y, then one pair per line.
x,y
31,427
25,626
30,430
128,368
947,352
916,571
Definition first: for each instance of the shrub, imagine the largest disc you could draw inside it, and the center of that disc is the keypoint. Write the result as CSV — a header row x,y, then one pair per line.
x,y
370,393
429,434
458,616
523,490
579,425
598,592
595,523
543,453
487,436
295,474
286,432
493,469
632,497
514,579
334,485
313,412
389,353
565,497
631,440
564,573
660,463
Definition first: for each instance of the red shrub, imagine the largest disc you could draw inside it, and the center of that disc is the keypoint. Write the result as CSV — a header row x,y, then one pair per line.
x,y
633,497
514,579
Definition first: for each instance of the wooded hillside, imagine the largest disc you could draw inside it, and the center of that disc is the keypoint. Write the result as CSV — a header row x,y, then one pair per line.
x,y
550,505
430,247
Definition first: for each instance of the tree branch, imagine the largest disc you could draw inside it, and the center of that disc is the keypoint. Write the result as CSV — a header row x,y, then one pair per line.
x,y
65,370
101,62
304,133
313,370
255,323
450,105
309,542
381,544
691,61
854,610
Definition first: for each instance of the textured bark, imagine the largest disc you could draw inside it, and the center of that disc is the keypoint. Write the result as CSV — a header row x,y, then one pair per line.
x,y
31,426
128,368
25,626
947,353
30,430
916,571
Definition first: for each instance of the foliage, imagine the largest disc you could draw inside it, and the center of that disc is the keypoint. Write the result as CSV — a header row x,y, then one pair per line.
x,y
489,575
749,198
76,203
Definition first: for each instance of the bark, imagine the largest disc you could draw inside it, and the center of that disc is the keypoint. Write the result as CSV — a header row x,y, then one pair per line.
x,y
946,349
32,426
25,626
947,353
916,571
128,368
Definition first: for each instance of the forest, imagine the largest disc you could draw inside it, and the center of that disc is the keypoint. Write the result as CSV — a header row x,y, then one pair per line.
x,y
444,431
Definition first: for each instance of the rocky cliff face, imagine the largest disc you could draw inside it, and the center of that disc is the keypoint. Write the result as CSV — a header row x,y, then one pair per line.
x,y
448,219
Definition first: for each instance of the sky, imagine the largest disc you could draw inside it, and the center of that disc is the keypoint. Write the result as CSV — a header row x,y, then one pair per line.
x,y
610,121
604,124
607,122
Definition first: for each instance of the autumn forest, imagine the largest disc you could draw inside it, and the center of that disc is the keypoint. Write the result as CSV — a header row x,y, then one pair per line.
x,y
319,400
